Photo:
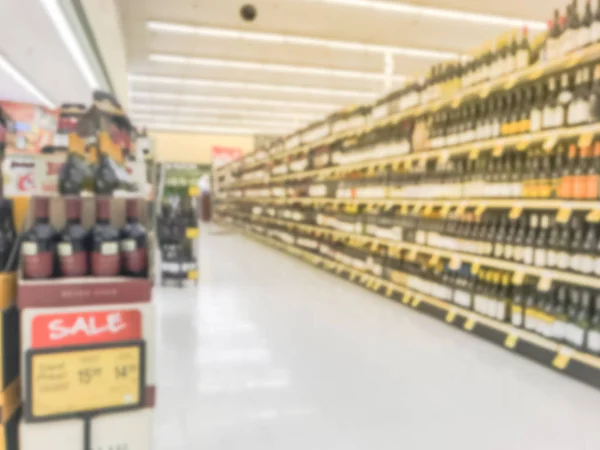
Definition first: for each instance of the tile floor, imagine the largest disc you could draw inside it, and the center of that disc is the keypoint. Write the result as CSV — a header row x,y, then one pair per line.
x,y
269,353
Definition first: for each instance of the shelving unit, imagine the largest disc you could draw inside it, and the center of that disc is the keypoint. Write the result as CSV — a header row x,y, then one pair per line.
x,y
321,211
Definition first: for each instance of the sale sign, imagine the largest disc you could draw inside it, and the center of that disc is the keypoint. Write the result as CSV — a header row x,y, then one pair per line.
x,y
85,327
34,127
223,155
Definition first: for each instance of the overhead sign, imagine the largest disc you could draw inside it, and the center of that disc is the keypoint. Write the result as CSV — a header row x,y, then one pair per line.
x,y
78,382
223,155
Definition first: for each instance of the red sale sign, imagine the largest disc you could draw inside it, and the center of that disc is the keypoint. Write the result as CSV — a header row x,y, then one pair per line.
x,y
82,328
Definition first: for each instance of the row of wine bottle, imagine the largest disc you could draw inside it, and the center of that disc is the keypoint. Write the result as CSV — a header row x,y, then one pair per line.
x,y
564,312
102,251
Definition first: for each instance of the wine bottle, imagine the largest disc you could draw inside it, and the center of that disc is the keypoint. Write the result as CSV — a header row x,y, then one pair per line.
x,y
134,243
568,170
105,242
520,293
560,313
541,242
39,244
524,51
585,32
578,236
73,254
593,334
530,239
588,248
593,175
7,235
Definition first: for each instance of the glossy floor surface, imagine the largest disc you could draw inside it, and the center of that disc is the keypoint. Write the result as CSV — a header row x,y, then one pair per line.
x,y
271,353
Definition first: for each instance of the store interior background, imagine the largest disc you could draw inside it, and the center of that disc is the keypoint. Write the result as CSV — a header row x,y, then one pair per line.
x,y
141,50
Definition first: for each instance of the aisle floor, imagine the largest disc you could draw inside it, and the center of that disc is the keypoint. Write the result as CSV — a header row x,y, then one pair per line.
x,y
271,353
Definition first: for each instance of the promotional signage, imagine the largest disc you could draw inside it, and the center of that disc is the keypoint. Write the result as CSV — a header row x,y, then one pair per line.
x,y
72,382
34,126
223,155
85,327
28,175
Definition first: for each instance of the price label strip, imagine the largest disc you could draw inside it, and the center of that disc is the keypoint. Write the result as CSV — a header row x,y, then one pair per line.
x,y
80,382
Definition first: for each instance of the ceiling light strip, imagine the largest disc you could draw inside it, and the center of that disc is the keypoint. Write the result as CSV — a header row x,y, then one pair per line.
x,y
56,14
175,28
210,130
235,100
275,68
292,125
234,111
439,13
14,73
249,86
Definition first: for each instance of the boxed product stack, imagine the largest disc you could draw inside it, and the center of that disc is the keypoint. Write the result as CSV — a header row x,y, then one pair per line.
x,y
87,325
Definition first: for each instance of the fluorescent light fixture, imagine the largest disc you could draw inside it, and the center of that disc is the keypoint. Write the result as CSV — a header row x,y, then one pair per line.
x,y
175,28
289,125
56,14
25,83
234,111
275,68
249,86
439,13
209,129
234,100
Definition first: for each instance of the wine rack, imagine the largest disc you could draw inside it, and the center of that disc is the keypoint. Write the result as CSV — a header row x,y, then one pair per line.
x,y
479,206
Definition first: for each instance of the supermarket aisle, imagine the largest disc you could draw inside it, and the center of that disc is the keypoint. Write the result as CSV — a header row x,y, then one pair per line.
x,y
271,353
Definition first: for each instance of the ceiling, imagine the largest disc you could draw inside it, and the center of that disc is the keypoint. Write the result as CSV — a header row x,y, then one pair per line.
x,y
176,76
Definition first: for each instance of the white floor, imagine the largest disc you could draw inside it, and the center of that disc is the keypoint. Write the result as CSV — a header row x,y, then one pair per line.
x,y
271,353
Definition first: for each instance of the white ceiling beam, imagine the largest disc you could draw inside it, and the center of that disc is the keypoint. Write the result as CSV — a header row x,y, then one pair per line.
x,y
440,13
211,130
274,68
254,36
289,125
225,110
25,83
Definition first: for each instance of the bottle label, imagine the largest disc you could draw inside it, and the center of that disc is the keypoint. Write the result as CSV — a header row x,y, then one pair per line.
x,y
586,263
38,264
29,248
517,316
65,249
508,251
106,265
499,250
540,257
577,335
558,330
528,255
109,248
597,266
72,264
128,245
519,252
596,31
593,341
135,262
562,260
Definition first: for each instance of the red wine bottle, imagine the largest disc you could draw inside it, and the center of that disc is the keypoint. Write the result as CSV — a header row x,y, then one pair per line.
x,y
106,260
134,243
73,255
38,244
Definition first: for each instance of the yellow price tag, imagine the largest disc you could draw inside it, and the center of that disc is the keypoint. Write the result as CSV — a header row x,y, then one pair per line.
x,y
574,60
561,361
192,275
512,80
445,210
544,283
538,72
523,144
593,216
450,316
498,150
485,90
428,210
455,263
461,208
376,285
456,100
85,381
550,142
389,292
518,278
563,215
469,324
412,255
352,276
475,268
416,302
194,191
511,341
474,153
480,209
374,246
406,299
191,233
434,259
515,212
585,140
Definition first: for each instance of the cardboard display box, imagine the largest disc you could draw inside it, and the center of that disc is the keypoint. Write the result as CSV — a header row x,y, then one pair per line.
x,y
56,292
119,431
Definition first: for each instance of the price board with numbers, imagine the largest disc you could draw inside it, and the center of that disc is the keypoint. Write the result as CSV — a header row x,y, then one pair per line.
x,y
83,381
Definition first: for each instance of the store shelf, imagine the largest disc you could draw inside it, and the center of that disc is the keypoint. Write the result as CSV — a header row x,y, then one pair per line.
x,y
548,275
531,73
565,359
533,203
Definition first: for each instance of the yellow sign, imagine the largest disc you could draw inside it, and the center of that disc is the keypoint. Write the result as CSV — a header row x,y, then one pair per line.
x,y
192,275
79,381
511,341
193,191
191,233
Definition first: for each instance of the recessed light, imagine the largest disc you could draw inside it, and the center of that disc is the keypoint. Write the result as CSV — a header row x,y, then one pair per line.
x,y
439,13
236,100
250,86
275,68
